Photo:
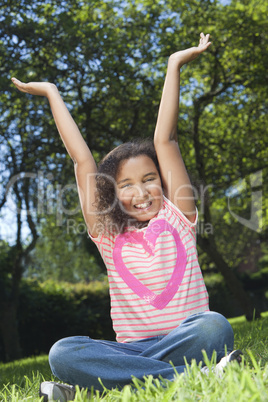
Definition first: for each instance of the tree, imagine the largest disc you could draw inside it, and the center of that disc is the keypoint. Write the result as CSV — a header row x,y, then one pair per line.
x,y
64,253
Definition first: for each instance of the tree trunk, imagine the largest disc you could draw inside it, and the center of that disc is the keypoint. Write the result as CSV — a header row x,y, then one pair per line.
x,y
9,330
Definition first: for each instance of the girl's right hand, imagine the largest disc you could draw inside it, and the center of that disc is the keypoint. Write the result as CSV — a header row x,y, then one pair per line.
x,y
185,56
34,88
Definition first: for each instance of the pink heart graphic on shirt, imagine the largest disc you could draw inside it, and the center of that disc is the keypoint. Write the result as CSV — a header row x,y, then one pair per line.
x,y
148,240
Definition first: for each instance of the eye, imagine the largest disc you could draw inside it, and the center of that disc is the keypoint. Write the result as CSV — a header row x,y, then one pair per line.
x,y
125,185
150,179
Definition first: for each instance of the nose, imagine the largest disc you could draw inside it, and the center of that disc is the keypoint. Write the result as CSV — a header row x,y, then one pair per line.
x,y
141,191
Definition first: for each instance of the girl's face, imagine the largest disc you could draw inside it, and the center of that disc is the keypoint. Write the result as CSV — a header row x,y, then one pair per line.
x,y
138,188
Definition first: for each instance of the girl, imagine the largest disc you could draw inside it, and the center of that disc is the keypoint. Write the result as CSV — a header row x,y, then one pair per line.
x,y
140,212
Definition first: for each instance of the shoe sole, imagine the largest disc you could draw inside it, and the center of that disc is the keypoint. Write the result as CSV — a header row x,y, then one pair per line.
x,y
236,355
45,397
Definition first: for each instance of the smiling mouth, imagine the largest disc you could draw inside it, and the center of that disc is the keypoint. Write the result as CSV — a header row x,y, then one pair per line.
x,y
144,205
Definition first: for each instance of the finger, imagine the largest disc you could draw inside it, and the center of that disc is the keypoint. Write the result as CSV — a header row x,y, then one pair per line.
x,y
16,81
20,85
205,38
204,41
205,46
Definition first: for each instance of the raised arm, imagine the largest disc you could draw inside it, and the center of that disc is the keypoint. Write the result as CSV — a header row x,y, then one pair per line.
x,y
84,164
177,186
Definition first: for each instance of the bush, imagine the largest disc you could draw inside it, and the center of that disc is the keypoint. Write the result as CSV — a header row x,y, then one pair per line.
x,y
222,300
220,297
51,310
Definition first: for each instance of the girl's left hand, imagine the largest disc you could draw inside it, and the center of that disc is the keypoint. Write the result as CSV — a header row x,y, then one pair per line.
x,y
184,56
34,88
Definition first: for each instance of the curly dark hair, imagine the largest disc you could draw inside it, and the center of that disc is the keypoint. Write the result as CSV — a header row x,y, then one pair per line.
x,y
110,213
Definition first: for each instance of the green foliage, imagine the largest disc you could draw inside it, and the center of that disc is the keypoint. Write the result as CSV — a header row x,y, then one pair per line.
x,y
54,310
65,256
220,297
223,301
101,66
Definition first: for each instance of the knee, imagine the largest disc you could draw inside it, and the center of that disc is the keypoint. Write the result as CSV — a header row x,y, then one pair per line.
x,y
63,354
66,351
217,327
58,353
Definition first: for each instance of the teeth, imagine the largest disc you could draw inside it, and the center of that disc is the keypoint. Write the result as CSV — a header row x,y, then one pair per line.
x,y
144,205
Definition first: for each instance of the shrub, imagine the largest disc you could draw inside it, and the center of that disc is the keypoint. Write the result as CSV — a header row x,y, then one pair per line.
x,y
222,300
51,310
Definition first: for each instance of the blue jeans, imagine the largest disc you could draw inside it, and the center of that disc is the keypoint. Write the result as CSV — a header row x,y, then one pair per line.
x,y
80,360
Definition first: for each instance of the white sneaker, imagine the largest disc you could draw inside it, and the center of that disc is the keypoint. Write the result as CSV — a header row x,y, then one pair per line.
x,y
235,355
53,391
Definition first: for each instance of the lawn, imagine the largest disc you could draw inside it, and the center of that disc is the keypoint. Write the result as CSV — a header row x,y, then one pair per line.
x,y
19,380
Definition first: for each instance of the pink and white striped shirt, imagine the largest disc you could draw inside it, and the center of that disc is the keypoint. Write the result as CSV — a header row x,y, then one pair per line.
x,y
154,275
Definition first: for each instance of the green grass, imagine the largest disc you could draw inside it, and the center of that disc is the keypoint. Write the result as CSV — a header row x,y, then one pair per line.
x,y
19,380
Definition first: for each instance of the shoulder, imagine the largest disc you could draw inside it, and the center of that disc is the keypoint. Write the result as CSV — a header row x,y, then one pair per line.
x,y
104,238
170,208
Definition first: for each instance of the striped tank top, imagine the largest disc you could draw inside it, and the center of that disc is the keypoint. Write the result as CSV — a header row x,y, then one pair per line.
x,y
154,276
